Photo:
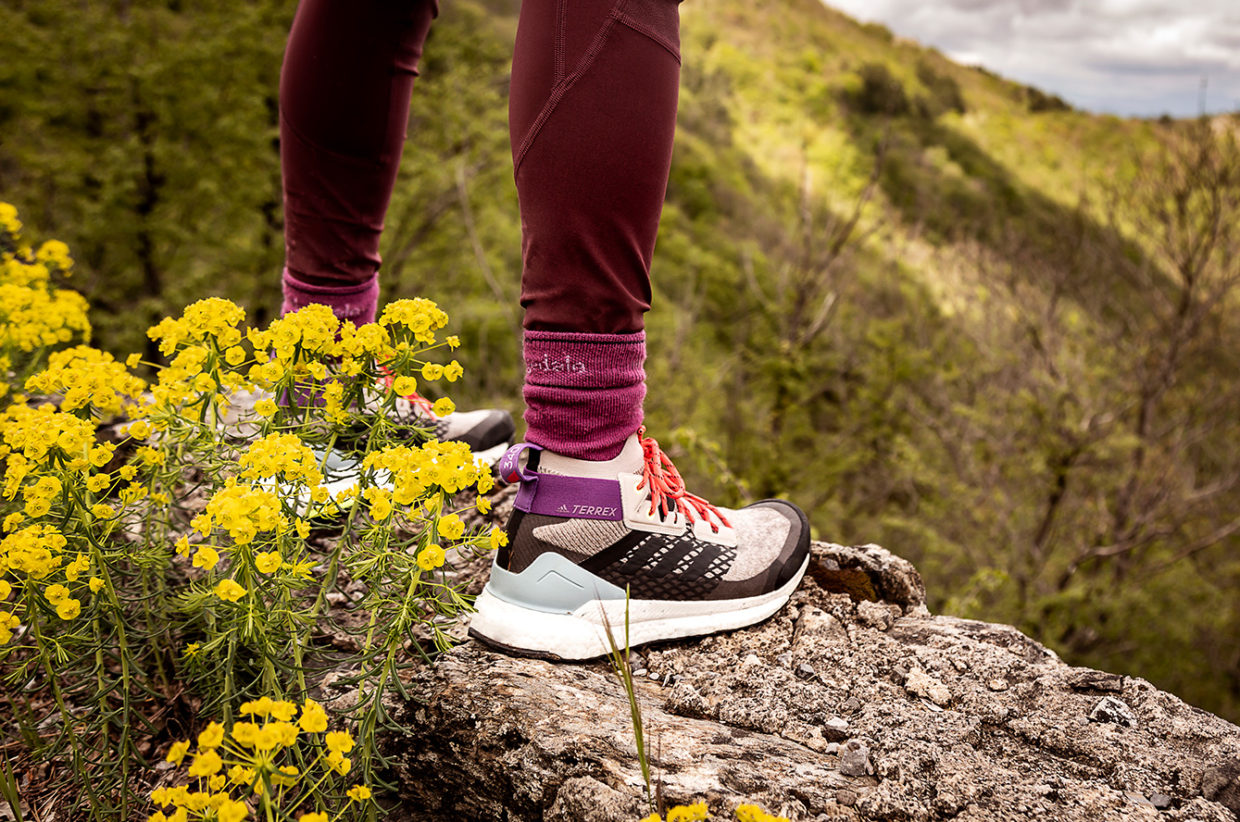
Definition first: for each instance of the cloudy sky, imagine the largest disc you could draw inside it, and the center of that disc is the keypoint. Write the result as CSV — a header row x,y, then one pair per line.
x,y
1131,57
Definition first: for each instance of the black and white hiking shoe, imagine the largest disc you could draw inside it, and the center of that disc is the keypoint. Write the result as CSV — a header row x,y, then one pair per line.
x,y
584,533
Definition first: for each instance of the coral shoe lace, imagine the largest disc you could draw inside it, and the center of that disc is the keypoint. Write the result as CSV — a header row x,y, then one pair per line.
x,y
666,486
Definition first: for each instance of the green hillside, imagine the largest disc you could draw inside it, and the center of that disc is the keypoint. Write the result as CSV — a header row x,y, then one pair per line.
x,y
940,310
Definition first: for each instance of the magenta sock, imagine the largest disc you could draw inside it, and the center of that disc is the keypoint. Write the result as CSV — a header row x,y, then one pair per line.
x,y
583,392
347,302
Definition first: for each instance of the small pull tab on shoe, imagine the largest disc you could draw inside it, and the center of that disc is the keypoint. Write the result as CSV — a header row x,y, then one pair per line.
x,y
510,467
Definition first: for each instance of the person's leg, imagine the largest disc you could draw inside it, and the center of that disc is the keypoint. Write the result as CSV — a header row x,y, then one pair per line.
x,y
592,115
344,105
603,531
345,87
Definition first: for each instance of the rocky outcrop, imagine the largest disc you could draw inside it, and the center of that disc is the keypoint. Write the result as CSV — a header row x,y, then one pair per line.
x,y
852,703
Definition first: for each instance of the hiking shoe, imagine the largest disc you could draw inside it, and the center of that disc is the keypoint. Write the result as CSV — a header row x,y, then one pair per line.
x,y
487,431
584,533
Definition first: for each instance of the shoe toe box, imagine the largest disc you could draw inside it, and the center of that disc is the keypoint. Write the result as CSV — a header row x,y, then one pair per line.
x,y
772,543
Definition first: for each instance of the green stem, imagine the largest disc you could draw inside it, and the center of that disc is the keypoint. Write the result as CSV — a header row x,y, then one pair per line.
x,y
66,717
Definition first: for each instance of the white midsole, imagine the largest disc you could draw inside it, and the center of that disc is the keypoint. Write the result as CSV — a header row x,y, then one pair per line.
x,y
582,634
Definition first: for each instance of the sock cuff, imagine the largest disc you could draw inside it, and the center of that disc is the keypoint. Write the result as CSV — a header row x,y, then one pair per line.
x,y
557,359
355,302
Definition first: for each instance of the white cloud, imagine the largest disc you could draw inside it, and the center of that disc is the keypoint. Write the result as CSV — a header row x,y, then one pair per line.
x,y
1141,57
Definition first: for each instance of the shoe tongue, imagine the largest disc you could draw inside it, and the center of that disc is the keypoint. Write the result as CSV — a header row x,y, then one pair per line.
x,y
628,461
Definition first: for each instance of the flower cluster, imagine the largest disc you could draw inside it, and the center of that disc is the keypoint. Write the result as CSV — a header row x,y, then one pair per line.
x,y
281,456
89,380
94,515
698,811
44,575
211,321
244,511
433,466
254,760
34,315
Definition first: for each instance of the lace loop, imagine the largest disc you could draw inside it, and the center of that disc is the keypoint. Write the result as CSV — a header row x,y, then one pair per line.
x,y
666,485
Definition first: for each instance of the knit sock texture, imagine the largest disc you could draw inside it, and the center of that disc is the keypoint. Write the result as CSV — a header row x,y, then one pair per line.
x,y
348,302
583,392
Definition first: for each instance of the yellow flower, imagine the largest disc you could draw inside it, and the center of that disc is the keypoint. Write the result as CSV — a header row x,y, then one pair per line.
x,y
339,741
230,810
101,510
192,649
337,762
313,717
98,482
140,430
239,775
182,547
283,710
5,589
452,371
654,817
432,371
206,763
245,733
285,777
451,527
431,557
8,622
56,594
95,584
404,386
483,505
380,503
453,342
228,589
313,817
175,754
101,455
302,527
265,408
235,355
212,736
443,407
267,561
75,569
359,793
206,557
68,609
753,813
688,813
498,538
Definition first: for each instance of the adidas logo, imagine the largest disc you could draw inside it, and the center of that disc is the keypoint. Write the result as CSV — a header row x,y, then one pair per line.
x,y
563,508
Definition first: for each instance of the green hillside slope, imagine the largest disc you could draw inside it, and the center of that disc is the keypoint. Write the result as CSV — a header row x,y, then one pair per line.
x,y
938,309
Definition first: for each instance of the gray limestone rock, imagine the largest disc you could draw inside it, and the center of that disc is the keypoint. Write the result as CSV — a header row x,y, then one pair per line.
x,y
930,733
1110,709
1221,783
855,759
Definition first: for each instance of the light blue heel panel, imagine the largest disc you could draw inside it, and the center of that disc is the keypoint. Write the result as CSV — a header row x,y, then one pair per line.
x,y
552,584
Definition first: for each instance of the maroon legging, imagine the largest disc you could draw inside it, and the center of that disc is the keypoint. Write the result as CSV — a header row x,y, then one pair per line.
x,y
592,114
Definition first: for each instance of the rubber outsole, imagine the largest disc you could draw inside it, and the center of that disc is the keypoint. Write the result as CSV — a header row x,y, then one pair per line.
x,y
582,634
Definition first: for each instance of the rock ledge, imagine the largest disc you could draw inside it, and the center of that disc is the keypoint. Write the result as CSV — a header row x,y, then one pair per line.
x,y
852,703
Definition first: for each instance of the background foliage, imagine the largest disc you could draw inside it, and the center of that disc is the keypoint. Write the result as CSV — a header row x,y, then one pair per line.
x,y
941,311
